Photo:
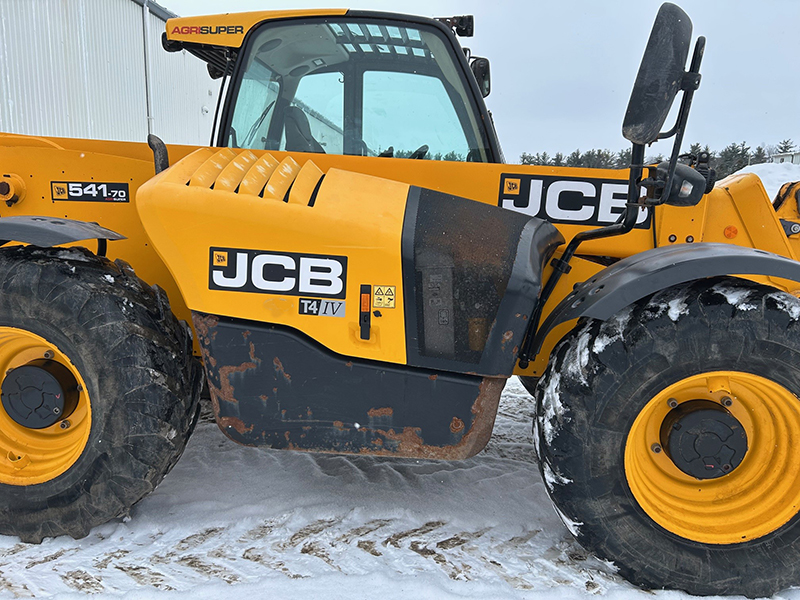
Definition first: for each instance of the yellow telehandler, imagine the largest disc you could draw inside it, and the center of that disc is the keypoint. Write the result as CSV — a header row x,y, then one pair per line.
x,y
351,267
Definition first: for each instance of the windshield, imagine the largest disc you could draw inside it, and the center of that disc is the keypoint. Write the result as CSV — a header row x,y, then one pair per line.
x,y
366,87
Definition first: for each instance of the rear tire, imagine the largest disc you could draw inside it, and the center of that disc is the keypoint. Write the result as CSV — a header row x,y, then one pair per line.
x,y
139,387
602,400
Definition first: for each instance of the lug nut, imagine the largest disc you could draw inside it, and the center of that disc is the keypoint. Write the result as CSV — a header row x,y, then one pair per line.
x,y
65,424
672,403
79,388
726,467
656,448
56,410
49,354
726,401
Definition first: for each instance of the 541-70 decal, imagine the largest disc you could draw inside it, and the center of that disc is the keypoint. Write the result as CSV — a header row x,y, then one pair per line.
x,y
89,191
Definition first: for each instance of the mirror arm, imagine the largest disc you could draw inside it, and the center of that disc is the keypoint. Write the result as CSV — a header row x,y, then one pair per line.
x,y
664,135
689,83
561,265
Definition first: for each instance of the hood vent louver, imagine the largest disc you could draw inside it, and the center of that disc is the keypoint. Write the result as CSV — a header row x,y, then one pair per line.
x,y
245,173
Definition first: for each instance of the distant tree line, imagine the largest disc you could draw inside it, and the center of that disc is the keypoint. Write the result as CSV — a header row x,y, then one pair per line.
x,y
452,155
728,160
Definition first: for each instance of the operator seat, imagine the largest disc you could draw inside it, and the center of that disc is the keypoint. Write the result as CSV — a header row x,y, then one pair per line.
x,y
298,132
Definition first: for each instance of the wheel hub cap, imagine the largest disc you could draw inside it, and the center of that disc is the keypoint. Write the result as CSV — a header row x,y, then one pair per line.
x,y
703,439
33,397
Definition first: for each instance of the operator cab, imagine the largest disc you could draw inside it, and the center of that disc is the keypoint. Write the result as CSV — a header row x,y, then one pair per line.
x,y
365,87
362,84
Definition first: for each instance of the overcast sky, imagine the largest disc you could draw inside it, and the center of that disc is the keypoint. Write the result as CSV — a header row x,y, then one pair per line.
x,y
562,71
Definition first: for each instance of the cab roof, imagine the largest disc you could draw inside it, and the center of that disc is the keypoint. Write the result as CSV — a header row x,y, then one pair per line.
x,y
216,39
228,30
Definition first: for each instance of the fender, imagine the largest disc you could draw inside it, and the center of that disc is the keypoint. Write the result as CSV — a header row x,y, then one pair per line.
x,y
640,275
49,231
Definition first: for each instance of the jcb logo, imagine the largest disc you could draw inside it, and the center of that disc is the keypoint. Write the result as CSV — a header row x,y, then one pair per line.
x,y
591,202
286,273
59,191
512,187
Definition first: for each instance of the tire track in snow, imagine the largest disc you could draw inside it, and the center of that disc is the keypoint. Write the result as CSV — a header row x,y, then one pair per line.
x,y
286,516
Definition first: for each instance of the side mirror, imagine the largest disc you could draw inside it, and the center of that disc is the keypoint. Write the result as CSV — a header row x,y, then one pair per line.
x,y
686,186
660,75
480,68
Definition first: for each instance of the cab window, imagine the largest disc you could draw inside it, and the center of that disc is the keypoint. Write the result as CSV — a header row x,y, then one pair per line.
x,y
361,87
320,97
409,111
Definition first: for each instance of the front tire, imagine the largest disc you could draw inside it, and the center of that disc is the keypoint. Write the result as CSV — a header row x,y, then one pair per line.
x,y
127,363
668,438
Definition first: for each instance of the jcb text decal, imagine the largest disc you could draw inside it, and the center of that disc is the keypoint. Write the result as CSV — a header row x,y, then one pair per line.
x,y
591,202
285,273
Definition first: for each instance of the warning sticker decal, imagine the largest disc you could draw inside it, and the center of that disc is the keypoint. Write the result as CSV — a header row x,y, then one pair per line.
x,y
383,296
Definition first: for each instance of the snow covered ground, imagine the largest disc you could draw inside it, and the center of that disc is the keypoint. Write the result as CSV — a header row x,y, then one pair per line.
x,y
231,521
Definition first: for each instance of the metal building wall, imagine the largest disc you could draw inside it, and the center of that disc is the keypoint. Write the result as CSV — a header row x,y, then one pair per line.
x,y
76,69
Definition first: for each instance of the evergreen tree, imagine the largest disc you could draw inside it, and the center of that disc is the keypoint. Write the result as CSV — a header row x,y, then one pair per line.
x,y
623,159
598,159
574,159
759,156
535,159
786,145
713,159
732,158
558,160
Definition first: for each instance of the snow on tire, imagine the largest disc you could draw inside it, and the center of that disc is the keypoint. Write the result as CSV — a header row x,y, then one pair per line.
x,y
665,437
128,364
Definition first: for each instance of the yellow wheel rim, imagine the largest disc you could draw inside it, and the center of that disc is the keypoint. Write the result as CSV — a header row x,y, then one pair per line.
x,y
754,499
31,456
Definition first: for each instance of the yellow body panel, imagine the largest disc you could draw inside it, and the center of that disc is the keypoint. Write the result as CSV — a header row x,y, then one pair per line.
x,y
738,203
39,163
737,211
229,29
222,218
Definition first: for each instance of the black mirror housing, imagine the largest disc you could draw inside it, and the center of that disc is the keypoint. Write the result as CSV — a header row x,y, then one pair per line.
x,y
660,75
463,25
480,68
687,187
